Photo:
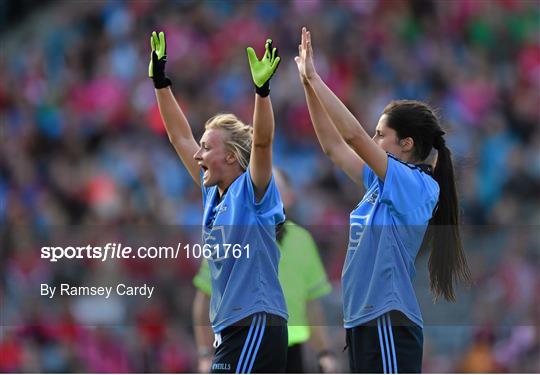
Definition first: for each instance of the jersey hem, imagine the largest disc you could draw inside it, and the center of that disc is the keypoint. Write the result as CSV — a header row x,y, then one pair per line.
x,y
236,318
375,314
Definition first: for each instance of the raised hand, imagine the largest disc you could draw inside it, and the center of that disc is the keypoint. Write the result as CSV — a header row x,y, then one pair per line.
x,y
158,58
263,70
304,60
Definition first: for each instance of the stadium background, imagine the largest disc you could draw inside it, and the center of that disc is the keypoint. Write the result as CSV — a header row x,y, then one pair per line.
x,y
82,144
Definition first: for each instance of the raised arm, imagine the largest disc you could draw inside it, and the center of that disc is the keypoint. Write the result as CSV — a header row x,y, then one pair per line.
x,y
331,141
347,125
260,165
178,129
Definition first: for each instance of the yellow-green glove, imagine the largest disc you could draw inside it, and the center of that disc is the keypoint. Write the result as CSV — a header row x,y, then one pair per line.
x,y
158,58
263,70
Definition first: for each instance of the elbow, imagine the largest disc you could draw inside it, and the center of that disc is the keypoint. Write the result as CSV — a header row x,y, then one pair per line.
x,y
174,138
354,137
352,133
350,138
328,151
174,141
332,149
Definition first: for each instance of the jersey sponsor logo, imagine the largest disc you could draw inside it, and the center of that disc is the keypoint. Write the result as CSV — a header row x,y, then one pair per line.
x,y
358,225
215,238
214,235
221,366
373,197
221,209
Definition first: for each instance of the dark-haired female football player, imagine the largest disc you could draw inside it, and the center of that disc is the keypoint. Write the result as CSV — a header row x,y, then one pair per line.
x,y
410,200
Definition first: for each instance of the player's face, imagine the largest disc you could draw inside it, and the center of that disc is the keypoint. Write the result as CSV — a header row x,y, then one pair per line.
x,y
211,156
387,138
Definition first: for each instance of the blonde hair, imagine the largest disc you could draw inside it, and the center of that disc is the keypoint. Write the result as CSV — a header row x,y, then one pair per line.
x,y
239,136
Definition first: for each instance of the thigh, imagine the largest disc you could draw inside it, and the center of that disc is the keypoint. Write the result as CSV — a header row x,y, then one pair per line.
x,y
259,345
389,344
272,350
228,351
408,343
364,349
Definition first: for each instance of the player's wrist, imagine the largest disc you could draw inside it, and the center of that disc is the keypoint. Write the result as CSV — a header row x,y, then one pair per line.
x,y
161,82
264,90
204,352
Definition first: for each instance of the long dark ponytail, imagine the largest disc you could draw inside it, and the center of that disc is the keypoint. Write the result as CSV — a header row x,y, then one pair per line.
x,y
447,262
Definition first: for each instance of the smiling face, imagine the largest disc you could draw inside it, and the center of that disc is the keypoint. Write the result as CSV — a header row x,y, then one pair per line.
x,y
388,140
213,157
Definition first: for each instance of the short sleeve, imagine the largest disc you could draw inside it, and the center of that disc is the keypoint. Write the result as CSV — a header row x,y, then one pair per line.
x,y
408,191
203,279
270,203
317,284
369,176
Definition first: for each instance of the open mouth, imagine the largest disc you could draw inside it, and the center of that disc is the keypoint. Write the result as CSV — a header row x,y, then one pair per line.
x,y
205,169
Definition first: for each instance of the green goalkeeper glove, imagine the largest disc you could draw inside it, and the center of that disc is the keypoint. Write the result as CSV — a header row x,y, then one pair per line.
x,y
158,58
263,70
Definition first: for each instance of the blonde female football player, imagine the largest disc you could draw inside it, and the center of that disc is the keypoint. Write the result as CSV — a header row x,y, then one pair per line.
x,y
242,206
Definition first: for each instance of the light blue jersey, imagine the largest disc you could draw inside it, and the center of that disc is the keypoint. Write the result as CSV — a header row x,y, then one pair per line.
x,y
386,232
245,257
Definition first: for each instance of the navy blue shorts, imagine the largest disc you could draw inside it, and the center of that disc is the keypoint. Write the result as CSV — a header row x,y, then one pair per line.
x,y
295,361
390,344
255,344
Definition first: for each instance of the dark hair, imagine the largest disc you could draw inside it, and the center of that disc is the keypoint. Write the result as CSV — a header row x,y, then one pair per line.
x,y
447,261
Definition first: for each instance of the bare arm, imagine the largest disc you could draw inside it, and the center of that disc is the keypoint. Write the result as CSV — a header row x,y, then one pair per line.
x,y
202,330
350,129
319,337
347,125
179,131
260,166
176,123
331,141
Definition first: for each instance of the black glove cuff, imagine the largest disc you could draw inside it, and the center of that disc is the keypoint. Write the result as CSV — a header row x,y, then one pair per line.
x,y
160,79
161,82
264,90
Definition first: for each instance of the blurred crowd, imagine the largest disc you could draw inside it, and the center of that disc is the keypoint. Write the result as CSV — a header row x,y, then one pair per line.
x,y
83,146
